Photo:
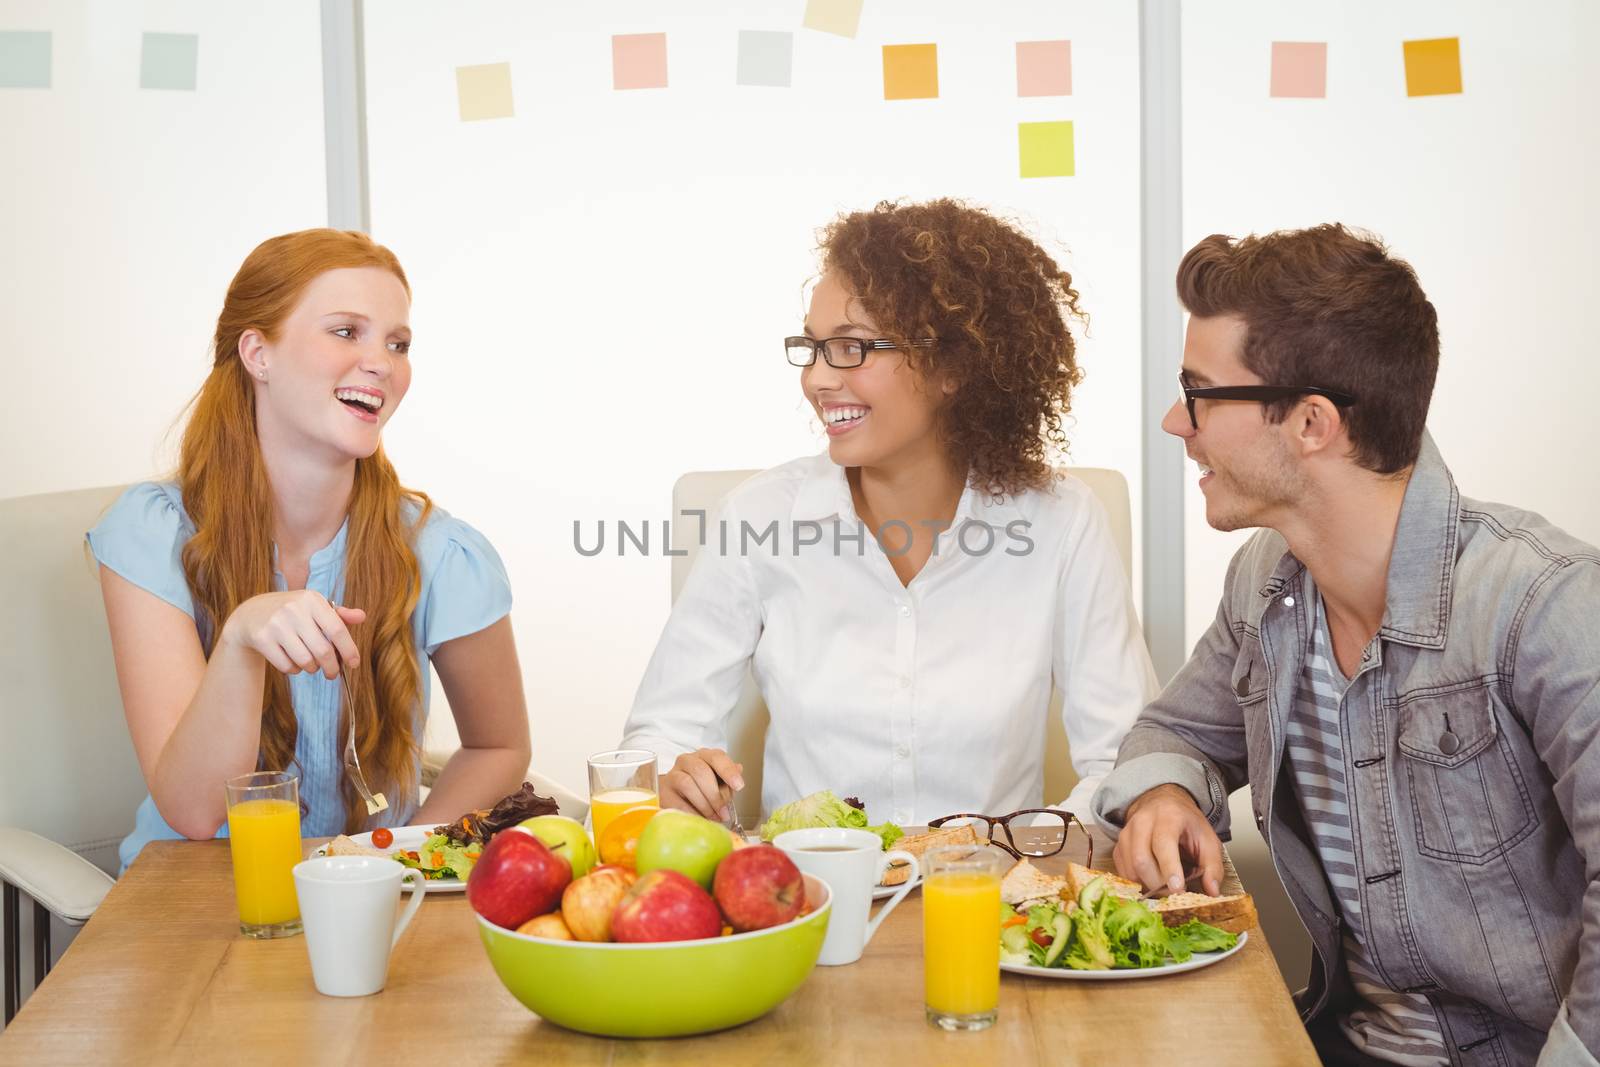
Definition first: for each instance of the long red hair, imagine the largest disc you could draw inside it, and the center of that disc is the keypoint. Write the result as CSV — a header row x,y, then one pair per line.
x,y
228,497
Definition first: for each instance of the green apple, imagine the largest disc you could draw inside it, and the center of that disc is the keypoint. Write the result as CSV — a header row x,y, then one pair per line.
x,y
683,842
567,838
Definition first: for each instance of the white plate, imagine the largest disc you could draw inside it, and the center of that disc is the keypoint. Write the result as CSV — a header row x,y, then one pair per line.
x,y
1195,962
407,838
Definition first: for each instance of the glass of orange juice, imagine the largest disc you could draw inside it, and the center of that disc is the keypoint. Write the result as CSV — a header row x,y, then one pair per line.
x,y
264,834
961,936
618,781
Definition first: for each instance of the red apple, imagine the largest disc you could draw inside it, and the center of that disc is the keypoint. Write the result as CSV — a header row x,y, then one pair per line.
x,y
665,905
550,926
758,887
589,902
516,878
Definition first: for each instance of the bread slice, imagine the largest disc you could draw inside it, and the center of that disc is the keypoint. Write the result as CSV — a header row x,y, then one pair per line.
x,y
1235,913
1024,883
345,846
1079,876
919,844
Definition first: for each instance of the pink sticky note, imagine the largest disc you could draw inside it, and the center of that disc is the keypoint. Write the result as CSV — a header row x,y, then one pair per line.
x,y
639,61
1299,68
1044,68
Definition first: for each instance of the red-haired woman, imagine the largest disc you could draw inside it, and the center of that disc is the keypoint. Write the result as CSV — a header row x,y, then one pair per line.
x,y
287,546
932,577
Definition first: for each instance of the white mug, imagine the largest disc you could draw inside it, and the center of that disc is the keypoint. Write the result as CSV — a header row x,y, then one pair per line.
x,y
347,907
852,863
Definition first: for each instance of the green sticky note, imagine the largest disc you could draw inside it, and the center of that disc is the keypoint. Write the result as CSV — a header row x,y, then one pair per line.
x,y
24,59
1045,149
766,57
169,61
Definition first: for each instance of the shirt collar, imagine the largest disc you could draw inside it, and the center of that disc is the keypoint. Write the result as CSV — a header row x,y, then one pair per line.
x,y
825,493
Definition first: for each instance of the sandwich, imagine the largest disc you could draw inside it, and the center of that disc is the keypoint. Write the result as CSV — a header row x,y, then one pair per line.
x,y
919,844
1233,912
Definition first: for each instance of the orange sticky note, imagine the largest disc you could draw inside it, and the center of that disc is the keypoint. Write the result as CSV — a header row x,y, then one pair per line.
x,y
1299,68
1433,67
484,92
639,61
910,71
1044,68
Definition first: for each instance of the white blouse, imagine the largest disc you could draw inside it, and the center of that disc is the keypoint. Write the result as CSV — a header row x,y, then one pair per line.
x,y
923,700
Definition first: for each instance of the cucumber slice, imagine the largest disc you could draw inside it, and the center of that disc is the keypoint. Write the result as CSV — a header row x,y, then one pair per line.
x,y
1061,931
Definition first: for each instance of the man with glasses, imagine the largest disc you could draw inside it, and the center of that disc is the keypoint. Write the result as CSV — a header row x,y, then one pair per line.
x,y
1408,681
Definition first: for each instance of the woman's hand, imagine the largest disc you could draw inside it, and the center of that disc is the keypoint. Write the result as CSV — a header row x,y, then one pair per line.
x,y
296,631
696,782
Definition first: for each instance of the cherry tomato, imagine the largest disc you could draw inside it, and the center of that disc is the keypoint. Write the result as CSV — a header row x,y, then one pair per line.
x,y
382,838
1041,938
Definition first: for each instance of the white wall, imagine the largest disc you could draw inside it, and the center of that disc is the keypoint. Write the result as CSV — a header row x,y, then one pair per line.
x,y
127,210
602,281
1489,195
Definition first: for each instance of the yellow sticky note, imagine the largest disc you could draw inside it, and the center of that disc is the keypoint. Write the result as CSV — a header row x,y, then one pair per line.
x,y
910,71
1045,149
833,16
1433,67
484,92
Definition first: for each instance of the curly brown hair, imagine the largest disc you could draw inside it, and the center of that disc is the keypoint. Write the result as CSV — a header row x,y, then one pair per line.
x,y
997,303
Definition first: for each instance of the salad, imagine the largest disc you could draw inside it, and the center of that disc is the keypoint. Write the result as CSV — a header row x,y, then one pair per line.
x,y
1101,931
440,857
826,809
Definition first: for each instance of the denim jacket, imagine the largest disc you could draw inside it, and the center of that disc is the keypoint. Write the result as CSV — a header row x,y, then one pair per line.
x,y
1477,840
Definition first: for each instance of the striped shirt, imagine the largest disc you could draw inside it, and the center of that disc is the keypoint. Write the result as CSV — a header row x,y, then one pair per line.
x,y
1388,1025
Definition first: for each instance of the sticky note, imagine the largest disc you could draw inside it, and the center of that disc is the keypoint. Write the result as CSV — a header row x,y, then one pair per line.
x,y
169,61
910,71
1044,68
24,59
1433,67
1299,69
639,61
833,16
766,57
1045,149
484,91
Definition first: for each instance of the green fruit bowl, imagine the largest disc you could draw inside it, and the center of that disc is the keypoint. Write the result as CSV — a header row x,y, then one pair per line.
x,y
661,989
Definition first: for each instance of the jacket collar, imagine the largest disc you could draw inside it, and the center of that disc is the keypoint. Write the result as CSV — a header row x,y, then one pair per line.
x,y
1421,567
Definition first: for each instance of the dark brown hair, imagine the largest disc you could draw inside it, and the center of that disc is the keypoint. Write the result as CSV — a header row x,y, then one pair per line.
x,y
997,303
1328,307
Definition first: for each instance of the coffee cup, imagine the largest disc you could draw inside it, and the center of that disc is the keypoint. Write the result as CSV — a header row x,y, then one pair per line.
x,y
852,862
347,905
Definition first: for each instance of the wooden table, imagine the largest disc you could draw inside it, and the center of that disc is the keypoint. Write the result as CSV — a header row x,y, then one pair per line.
x,y
161,974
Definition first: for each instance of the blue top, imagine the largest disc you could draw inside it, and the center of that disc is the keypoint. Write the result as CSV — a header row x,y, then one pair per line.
x,y
464,589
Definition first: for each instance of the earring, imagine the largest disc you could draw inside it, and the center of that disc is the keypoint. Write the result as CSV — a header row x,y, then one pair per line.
x,y
261,374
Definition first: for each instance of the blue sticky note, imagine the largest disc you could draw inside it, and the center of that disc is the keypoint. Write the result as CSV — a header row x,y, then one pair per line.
x,y
766,57
169,60
24,59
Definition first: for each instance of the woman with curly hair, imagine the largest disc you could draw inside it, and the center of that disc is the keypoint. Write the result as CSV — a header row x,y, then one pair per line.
x,y
932,578
285,560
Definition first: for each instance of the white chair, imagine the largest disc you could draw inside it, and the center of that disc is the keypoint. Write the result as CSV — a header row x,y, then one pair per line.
x,y
747,726
69,781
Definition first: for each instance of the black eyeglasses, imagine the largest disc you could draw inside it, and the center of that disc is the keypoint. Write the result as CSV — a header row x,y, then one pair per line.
x,y
1260,393
1051,826
841,353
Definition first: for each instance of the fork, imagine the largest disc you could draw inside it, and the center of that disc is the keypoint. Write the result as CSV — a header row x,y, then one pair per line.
x,y
376,802
733,816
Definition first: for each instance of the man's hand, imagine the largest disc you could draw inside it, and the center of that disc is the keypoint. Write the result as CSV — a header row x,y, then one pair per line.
x,y
696,783
1164,828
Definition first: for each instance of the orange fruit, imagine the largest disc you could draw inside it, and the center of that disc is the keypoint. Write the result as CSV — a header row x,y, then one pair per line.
x,y
621,838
